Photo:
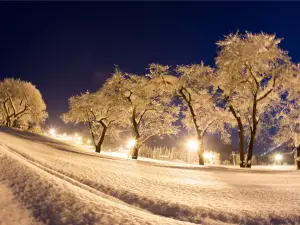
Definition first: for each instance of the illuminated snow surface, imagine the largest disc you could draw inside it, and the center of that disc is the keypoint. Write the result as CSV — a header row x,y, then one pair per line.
x,y
56,183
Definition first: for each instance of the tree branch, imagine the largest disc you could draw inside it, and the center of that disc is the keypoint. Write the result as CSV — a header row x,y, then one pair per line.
x,y
129,97
147,138
208,125
93,114
142,115
268,92
22,111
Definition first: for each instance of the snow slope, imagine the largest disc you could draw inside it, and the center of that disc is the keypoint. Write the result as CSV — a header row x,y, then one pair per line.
x,y
11,210
62,184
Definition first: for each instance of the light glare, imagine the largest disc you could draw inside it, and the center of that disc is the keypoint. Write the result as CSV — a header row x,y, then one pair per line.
x,y
192,145
131,143
278,157
208,155
52,131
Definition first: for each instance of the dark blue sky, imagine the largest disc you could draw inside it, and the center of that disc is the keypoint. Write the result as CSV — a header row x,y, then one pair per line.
x,y
68,48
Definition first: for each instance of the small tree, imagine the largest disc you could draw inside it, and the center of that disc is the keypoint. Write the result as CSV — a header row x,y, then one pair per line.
x,y
252,69
146,107
96,110
20,101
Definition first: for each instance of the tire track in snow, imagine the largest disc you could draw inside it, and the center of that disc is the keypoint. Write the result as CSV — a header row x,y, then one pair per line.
x,y
91,217
64,177
165,209
172,210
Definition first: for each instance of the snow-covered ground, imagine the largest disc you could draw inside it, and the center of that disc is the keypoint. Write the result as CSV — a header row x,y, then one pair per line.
x,y
62,184
11,210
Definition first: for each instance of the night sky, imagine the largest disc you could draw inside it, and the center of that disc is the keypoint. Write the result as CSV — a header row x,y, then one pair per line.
x,y
68,48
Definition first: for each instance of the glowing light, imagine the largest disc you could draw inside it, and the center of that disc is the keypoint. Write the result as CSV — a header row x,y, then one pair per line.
x,y
208,155
131,143
192,145
52,131
88,141
278,157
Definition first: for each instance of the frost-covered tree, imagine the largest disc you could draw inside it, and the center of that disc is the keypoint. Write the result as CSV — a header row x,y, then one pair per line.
x,y
96,110
145,107
288,115
194,86
20,101
253,71
288,125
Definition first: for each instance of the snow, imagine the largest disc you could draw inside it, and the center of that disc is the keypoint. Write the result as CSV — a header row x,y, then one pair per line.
x,y
61,184
11,210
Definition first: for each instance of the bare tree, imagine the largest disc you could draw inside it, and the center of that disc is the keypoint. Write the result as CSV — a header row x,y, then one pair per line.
x,y
253,69
20,101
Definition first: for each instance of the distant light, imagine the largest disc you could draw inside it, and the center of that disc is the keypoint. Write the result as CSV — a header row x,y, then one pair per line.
x,y
278,157
131,143
76,135
88,141
78,138
52,131
192,145
208,155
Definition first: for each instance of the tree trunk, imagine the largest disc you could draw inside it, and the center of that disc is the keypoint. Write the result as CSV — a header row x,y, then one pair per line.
x,y
200,151
241,142
253,132
101,140
98,148
7,122
298,158
240,134
200,135
137,135
250,149
135,152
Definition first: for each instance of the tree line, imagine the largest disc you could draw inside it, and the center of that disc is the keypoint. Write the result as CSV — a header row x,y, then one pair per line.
x,y
252,87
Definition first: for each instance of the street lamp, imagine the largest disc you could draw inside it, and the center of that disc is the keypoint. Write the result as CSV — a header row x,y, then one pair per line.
x,y
192,145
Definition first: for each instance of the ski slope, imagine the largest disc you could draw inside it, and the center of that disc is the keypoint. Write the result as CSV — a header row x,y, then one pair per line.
x,y
62,184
